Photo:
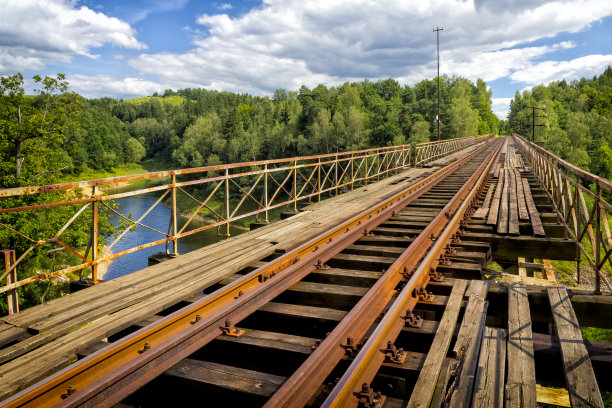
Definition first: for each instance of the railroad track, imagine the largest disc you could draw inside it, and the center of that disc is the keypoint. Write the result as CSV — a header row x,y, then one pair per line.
x,y
338,307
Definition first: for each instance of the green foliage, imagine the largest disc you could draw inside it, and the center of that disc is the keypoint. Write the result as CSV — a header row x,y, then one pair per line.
x,y
577,121
464,118
31,128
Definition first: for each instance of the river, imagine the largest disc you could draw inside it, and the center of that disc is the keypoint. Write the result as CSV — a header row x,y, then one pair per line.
x,y
158,218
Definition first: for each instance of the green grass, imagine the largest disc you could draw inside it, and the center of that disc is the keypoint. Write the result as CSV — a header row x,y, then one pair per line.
x,y
597,334
173,100
92,174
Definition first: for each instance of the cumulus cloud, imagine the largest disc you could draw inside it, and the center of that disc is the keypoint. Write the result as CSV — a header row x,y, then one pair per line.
x,y
286,43
225,6
94,86
501,107
33,32
548,71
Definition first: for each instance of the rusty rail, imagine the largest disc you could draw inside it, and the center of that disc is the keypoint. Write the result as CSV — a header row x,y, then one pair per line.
x,y
240,189
114,372
366,364
298,389
584,213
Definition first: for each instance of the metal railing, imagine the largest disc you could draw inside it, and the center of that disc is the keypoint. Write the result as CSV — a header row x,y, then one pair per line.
x,y
223,193
427,152
582,211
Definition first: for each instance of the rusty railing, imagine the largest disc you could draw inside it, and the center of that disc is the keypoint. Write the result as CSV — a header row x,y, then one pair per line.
x,y
223,193
582,211
427,152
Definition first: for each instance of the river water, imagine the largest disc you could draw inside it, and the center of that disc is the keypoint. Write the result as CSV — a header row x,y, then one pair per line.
x,y
158,218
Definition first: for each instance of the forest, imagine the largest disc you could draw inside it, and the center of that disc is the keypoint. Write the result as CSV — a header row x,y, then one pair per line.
x,y
575,123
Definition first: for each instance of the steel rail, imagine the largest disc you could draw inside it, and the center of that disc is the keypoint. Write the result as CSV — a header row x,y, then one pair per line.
x,y
297,390
116,371
369,359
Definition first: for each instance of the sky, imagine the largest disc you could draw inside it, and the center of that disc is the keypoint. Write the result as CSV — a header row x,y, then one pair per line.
x,y
124,49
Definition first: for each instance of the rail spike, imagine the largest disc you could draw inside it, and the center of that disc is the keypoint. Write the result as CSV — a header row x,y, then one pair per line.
x,y
425,296
394,355
435,276
412,320
368,398
230,330
350,347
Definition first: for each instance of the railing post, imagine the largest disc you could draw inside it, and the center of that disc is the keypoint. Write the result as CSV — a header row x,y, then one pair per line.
x,y
295,186
366,168
336,173
227,204
597,238
12,296
94,236
319,178
174,217
577,226
352,170
266,191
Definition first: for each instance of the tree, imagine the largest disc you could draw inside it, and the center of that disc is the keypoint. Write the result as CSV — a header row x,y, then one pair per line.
x,y
134,150
464,118
323,132
201,139
419,132
29,125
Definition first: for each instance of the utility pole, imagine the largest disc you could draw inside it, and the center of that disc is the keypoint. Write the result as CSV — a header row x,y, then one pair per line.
x,y
437,31
533,116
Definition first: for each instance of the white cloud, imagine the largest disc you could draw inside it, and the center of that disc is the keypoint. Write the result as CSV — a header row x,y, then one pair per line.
x,y
501,107
156,6
548,71
107,85
33,32
286,43
225,6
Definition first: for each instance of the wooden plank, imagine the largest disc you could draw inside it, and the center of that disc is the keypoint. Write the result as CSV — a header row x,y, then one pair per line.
x,y
467,349
520,385
550,271
513,216
160,297
536,223
233,378
522,271
425,386
489,385
558,397
503,218
520,192
493,213
581,381
322,313
478,288
10,333
482,212
272,340
439,394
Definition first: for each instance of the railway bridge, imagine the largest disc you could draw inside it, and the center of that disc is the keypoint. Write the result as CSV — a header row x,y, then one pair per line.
x,y
429,276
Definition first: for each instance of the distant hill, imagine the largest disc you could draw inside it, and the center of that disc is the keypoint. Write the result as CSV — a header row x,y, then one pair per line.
x,y
173,100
